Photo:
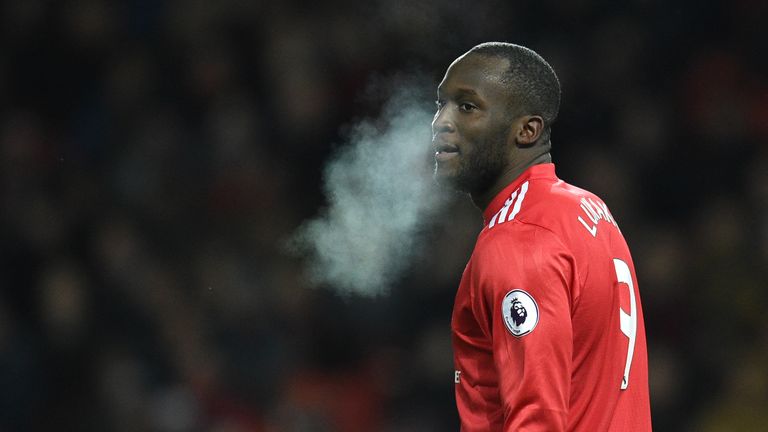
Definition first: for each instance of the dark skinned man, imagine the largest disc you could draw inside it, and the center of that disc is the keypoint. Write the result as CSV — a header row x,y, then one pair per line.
x,y
548,331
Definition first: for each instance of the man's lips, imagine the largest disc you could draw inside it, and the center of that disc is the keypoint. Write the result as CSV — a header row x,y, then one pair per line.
x,y
445,151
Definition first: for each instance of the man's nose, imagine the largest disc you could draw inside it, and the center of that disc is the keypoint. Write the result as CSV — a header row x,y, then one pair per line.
x,y
442,123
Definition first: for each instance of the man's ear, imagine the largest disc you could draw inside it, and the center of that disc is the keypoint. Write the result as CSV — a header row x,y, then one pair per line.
x,y
528,130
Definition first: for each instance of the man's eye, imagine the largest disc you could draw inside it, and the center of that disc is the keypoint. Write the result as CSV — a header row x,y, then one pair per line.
x,y
466,106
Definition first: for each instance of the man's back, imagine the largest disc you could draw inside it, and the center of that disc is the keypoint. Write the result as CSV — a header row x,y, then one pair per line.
x,y
548,328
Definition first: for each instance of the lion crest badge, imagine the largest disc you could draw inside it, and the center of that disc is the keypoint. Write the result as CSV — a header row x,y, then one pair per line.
x,y
520,312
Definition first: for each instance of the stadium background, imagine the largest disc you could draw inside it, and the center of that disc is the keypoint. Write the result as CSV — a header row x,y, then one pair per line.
x,y
156,153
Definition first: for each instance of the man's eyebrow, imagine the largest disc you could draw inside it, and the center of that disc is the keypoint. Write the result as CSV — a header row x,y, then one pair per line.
x,y
461,91
466,91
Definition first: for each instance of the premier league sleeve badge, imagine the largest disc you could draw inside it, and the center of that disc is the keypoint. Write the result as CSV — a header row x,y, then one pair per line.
x,y
520,312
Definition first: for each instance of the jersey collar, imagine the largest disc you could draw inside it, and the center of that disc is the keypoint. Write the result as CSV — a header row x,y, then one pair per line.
x,y
539,171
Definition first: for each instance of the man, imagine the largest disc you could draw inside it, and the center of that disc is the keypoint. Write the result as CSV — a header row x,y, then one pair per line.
x,y
547,327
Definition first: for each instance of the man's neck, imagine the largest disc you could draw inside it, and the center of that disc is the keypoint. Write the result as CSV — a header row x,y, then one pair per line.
x,y
481,200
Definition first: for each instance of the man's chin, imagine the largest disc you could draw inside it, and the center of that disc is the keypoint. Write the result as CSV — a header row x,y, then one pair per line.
x,y
442,176
449,180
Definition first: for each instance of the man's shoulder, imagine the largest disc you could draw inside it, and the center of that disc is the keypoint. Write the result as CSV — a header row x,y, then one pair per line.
x,y
540,202
550,196
518,247
550,205
522,236
569,211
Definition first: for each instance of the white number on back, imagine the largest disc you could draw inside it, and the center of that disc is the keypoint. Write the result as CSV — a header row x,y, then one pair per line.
x,y
628,321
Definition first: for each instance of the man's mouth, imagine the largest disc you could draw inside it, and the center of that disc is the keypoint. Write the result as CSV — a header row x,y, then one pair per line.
x,y
445,151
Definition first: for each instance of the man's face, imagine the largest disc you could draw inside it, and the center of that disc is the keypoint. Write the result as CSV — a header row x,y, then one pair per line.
x,y
471,126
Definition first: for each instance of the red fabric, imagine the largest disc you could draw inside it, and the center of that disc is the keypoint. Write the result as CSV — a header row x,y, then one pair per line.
x,y
566,373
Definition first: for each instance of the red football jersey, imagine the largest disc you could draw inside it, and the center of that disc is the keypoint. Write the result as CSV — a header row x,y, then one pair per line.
x,y
548,332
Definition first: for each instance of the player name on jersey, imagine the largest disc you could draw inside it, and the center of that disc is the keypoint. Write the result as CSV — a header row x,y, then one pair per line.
x,y
595,210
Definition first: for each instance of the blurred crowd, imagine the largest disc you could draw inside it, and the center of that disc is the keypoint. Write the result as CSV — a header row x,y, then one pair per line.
x,y
154,156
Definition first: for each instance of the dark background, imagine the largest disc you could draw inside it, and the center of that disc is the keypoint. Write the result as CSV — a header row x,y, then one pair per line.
x,y
155,154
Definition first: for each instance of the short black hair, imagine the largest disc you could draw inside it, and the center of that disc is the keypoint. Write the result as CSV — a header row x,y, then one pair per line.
x,y
530,78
